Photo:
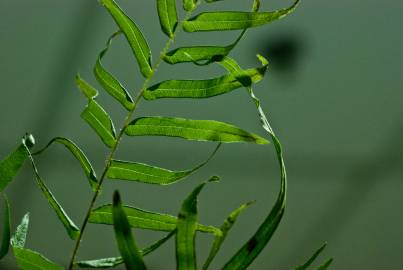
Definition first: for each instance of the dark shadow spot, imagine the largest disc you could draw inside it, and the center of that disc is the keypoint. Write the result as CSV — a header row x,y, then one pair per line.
x,y
252,244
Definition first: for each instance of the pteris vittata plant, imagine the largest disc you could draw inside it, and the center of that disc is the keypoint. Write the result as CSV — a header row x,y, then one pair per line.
x,y
185,225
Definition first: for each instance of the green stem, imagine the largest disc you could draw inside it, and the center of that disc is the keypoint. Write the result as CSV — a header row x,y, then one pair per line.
x,y
119,137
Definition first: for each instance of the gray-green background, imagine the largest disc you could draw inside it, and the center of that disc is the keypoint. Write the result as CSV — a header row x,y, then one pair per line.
x,y
333,93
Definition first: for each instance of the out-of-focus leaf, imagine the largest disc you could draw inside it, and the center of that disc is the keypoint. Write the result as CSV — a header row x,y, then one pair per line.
x,y
225,227
252,248
134,171
115,261
5,242
186,230
89,91
28,259
168,16
199,130
189,5
325,265
311,259
202,88
131,255
20,235
133,35
139,218
233,20
100,122
79,155
101,263
68,224
10,166
109,82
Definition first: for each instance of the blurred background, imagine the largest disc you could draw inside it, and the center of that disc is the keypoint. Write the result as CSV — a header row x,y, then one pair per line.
x,y
333,93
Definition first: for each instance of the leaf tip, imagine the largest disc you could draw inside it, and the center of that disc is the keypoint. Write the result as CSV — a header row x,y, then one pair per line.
x,y
214,178
116,198
28,140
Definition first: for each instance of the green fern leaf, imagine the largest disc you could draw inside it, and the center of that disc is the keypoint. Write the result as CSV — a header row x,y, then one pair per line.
x,y
131,255
168,16
136,40
100,122
199,130
234,20
109,82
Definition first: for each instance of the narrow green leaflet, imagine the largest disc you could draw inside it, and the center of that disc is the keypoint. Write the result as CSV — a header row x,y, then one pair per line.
x,y
10,166
186,230
252,248
6,236
79,155
189,5
115,261
131,255
100,122
139,218
28,259
68,224
233,20
325,265
197,54
168,16
109,82
204,55
225,228
199,130
311,259
133,35
89,91
31,260
201,88
134,171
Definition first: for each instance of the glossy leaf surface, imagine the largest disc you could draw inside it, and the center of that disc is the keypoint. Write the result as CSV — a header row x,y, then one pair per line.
x,y
88,90
100,122
199,130
168,16
131,255
201,88
133,35
134,171
79,155
68,224
109,82
31,260
197,54
233,20
139,218
204,55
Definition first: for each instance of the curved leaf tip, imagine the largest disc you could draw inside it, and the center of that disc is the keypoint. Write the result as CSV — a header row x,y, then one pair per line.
x,y
28,140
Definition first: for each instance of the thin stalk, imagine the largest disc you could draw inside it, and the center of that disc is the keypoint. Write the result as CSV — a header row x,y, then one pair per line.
x,y
118,138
